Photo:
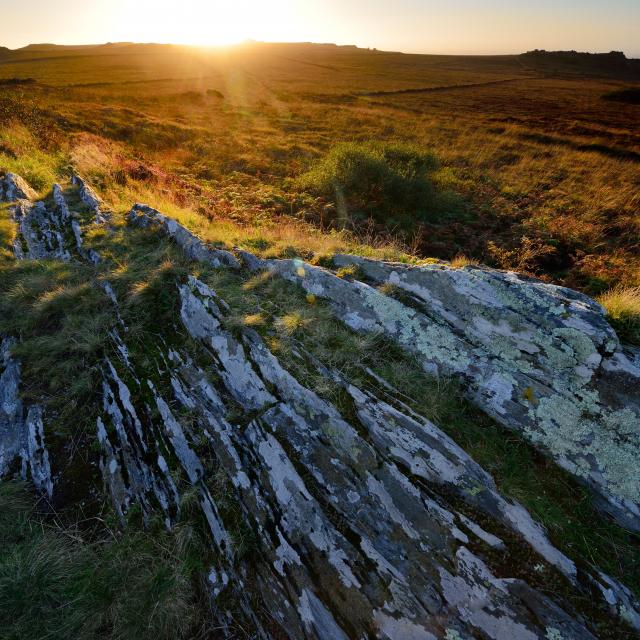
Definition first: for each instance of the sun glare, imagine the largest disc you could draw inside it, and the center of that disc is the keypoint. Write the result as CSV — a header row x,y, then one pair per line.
x,y
206,22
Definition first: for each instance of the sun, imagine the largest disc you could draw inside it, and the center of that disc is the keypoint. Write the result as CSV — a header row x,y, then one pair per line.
x,y
204,22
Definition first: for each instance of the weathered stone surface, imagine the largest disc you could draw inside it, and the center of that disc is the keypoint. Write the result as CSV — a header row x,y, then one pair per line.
x,y
11,409
369,522
47,231
22,445
144,216
412,539
13,187
91,199
538,358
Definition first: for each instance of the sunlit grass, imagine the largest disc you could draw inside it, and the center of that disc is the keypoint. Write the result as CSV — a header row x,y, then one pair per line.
x,y
623,311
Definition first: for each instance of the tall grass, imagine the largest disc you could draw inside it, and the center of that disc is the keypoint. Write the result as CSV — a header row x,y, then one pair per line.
x,y
388,181
623,312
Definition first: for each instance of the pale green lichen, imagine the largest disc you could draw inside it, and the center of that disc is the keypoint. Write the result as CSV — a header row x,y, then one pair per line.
x,y
553,634
578,431
626,614
452,634
563,414
474,490
432,341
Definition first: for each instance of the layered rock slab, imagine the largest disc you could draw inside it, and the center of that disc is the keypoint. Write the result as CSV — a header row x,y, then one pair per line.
x,y
354,536
539,359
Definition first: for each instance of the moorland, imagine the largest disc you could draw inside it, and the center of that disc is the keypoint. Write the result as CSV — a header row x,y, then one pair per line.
x,y
525,162
532,159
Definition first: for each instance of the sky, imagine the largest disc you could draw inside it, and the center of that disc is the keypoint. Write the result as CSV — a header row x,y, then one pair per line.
x,y
420,26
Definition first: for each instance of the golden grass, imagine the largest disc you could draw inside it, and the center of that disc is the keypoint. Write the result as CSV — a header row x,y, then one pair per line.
x,y
540,158
461,260
623,311
269,238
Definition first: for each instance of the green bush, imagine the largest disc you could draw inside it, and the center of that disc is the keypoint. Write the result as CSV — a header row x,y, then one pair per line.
x,y
389,182
629,95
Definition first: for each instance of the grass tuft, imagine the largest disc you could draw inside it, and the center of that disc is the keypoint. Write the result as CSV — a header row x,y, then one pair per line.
x,y
55,584
623,312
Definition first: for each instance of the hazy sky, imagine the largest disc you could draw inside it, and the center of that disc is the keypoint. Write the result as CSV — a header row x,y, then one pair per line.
x,y
425,26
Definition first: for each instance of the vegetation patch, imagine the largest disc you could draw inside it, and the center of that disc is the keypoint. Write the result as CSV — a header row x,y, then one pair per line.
x,y
392,183
623,312
630,95
57,582
16,81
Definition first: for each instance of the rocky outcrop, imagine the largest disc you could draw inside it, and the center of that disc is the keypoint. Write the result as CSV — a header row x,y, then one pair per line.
x,y
13,187
366,522
50,230
538,358
144,216
90,199
21,430
348,543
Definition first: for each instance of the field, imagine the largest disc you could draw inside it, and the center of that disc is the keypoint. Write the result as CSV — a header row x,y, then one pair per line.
x,y
536,169
522,162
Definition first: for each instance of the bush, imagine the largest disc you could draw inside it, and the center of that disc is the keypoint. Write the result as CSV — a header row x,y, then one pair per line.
x,y
389,182
630,95
623,312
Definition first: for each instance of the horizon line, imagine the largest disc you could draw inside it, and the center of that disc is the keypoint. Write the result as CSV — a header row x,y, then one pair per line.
x,y
246,41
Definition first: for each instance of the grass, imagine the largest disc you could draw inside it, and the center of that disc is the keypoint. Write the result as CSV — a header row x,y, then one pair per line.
x,y
623,312
57,583
20,152
389,182
540,161
247,151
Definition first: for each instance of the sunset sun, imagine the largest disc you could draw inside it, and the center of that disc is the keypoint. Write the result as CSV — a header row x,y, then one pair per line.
x,y
205,23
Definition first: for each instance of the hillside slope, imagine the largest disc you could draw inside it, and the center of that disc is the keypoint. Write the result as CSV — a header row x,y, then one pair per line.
x,y
536,167
307,424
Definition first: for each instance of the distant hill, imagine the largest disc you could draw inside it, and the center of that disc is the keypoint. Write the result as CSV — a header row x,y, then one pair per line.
x,y
47,46
613,63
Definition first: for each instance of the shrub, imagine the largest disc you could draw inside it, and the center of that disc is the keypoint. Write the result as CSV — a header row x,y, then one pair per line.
x,y
630,95
623,312
389,182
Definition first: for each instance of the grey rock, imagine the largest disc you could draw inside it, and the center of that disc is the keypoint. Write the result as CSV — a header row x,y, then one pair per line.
x,y
21,428
144,216
36,454
50,231
127,449
337,463
13,188
11,409
91,199
61,203
538,358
